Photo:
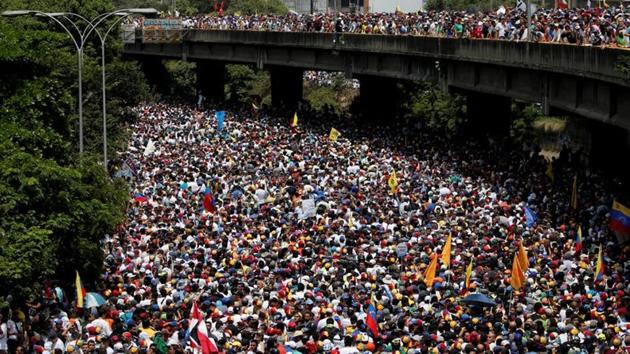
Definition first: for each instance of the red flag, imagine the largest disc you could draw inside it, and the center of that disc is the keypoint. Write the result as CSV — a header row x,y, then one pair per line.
x,y
208,203
199,338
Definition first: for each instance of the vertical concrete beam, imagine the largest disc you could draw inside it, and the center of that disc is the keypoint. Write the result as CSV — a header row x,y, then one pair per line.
x,y
155,73
286,86
488,114
211,80
378,98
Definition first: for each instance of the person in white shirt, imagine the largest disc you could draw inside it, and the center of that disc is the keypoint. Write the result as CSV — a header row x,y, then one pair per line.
x,y
12,335
3,336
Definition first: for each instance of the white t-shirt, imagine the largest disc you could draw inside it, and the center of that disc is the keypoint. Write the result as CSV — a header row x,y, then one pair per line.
x,y
12,330
3,337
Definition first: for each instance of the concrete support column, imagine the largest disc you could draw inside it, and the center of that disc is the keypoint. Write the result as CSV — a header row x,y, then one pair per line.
x,y
488,114
155,73
378,98
286,86
211,80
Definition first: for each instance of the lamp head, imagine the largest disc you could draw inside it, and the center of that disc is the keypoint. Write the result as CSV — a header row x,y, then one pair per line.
x,y
16,13
143,11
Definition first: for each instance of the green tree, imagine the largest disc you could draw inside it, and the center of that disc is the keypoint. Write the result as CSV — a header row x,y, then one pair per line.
x,y
182,78
251,7
244,85
433,108
322,98
55,206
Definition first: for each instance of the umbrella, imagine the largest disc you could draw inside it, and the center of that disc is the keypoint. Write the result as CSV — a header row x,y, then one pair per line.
x,y
477,299
93,300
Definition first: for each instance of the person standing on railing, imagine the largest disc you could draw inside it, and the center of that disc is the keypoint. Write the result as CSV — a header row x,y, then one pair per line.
x,y
338,31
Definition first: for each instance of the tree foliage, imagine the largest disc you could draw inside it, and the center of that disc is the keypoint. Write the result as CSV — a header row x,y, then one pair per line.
x,y
434,109
251,7
182,77
245,85
56,206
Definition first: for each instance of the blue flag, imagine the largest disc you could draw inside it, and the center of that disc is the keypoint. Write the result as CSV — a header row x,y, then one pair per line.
x,y
220,115
530,217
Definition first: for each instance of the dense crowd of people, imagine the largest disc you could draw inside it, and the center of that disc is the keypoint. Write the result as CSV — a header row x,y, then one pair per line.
x,y
330,79
284,238
593,26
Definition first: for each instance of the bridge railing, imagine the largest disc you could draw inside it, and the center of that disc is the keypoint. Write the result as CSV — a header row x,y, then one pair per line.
x,y
601,63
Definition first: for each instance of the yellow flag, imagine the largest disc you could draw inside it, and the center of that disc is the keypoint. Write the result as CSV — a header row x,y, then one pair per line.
x,y
446,252
523,261
294,123
334,134
429,274
549,171
80,290
393,182
517,274
468,273
350,222
574,197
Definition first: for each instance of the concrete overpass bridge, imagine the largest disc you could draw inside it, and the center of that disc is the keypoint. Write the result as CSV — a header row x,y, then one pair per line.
x,y
565,78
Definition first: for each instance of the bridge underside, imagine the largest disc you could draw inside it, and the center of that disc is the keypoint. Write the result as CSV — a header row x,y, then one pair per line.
x,y
595,99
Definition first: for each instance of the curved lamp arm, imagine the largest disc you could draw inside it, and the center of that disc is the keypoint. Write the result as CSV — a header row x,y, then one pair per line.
x,y
90,26
44,14
102,17
113,25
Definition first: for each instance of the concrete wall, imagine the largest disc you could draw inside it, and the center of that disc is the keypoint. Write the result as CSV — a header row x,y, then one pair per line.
x,y
593,62
577,79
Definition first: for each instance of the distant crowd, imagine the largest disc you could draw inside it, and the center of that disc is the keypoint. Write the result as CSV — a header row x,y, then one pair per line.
x,y
592,26
330,79
275,236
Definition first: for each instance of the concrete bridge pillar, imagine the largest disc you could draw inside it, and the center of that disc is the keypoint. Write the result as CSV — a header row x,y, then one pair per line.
x,y
286,86
378,98
156,74
211,80
488,114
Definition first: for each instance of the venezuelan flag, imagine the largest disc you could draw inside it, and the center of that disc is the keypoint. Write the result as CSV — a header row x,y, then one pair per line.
x,y
370,320
599,267
80,290
578,239
284,349
620,218
469,273
140,198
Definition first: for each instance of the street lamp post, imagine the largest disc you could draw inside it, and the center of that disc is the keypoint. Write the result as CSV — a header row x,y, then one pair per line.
x,y
90,26
94,23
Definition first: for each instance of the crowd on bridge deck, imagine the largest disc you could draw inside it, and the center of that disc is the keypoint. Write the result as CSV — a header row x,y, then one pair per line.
x,y
283,238
593,26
